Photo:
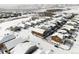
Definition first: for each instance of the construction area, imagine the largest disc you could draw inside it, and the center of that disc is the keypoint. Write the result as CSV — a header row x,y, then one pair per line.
x,y
42,30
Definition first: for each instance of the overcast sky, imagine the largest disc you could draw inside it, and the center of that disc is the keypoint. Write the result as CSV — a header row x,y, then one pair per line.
x,y
9,5
13,6
23,6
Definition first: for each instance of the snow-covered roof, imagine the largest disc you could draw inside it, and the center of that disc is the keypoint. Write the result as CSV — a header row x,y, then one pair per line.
x,y
28,23
58,34
61,31
38,30
71,22
22,48
68,27
21,25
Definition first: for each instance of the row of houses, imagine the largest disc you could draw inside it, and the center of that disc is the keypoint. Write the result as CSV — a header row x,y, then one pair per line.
x,y
28,24
53,25
9,14
54,28
67,34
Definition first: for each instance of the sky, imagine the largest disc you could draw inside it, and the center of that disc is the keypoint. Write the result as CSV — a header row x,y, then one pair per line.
x,y
8,5
24,6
